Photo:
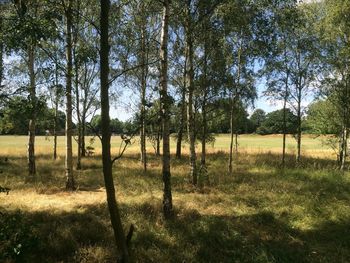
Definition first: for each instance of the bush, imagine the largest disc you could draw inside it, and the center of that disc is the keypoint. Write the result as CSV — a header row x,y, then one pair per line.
x,y
262,130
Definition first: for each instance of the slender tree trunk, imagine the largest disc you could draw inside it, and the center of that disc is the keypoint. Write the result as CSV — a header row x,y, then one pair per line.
x,y
181,125
84,111
205,131
70,184
57,99
234,110
32,121
299,128
76,82
236,141
344,147
55,129
106,134
285,98
190,91
232,120
179,140
285,122
205,89
77,102
183,114
83,133
204,140
344,136
77,94
165,113
345,131
83,124
143,140
158,141
234,132
284,135
55,134
236,128
143,97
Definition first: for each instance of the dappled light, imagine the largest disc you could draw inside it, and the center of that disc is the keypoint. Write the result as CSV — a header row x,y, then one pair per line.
x,y
260,214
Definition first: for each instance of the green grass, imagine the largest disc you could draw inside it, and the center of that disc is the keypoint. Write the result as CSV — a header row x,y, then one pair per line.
x,y
259,214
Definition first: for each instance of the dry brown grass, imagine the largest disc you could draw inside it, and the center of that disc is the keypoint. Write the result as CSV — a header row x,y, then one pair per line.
x,y
260,214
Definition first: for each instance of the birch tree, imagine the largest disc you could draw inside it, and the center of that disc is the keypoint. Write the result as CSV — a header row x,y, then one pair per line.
x,y
70,183
165,111
119,235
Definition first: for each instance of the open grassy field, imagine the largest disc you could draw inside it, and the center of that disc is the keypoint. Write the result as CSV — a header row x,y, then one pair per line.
x,y
259,214
17,145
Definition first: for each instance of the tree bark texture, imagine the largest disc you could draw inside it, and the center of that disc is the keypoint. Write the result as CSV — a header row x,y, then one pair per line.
x,y
57,95
205,91
298,156
106,134
70,184
144,70
32,121
344,146
79,126
234,111
165,113
190,94
285,122
183,114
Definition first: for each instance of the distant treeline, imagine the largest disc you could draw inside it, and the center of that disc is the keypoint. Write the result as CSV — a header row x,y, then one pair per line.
x,y
15,116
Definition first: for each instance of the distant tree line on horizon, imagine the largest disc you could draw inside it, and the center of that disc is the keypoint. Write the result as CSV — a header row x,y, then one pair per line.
x,y
15,116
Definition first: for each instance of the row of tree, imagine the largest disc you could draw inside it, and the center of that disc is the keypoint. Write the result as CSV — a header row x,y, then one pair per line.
x,y
320,119
202,58
15,116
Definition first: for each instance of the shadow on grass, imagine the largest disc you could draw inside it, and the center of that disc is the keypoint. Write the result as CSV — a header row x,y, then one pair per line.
x,y
61,236
250,238
86,236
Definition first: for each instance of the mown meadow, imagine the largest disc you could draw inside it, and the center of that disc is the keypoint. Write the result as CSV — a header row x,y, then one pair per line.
x,y
261,213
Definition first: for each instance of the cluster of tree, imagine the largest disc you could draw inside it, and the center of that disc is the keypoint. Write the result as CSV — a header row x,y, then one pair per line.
x,y
191,65
117,127
320,119
15,116
275,122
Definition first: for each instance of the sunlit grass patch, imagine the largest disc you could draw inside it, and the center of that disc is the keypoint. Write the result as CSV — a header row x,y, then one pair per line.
x,y
260,213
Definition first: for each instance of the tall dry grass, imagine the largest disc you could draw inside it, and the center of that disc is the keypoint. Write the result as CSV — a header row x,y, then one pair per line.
x,y
259,214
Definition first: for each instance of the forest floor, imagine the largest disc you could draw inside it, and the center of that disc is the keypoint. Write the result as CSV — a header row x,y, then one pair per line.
x,y
260,213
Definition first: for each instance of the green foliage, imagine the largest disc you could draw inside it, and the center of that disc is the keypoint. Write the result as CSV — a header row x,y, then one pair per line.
x,y
322,118
28,24
273,123
17,112
333,29
17,237
257,118
116,126
219,118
